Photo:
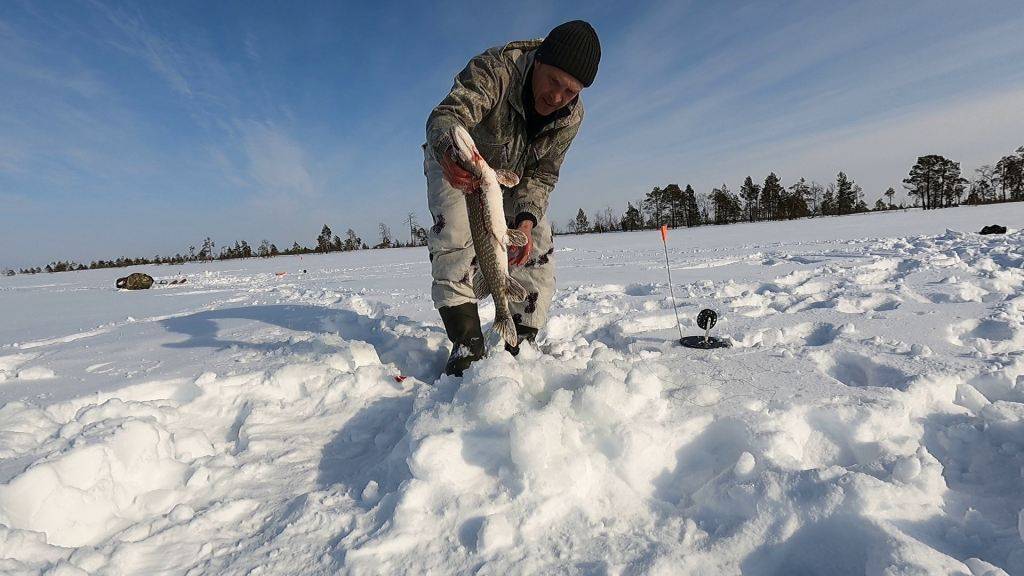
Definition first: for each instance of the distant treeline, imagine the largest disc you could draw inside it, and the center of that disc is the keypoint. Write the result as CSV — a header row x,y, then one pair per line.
x,y
933,182
326,242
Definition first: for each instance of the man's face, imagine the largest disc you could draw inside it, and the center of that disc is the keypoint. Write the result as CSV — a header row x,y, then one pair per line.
x,y
553,88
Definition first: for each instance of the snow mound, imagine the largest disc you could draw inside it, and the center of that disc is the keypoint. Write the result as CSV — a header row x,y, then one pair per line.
x,y
869,417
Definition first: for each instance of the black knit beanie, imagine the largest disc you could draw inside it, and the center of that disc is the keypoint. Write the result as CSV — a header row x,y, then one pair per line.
x,y
574,48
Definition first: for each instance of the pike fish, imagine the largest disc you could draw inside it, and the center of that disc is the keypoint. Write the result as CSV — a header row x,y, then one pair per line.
x,y
491,234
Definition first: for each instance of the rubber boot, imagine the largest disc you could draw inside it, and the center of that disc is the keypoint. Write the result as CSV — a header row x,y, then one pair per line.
x,y
524,333
462,323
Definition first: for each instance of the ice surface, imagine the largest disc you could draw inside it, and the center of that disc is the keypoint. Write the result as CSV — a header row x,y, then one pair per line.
x,y
869,417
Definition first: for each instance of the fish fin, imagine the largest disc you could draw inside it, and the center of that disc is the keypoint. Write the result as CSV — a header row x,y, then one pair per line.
x,y
506,328
514,290
480,287
517,237
507,178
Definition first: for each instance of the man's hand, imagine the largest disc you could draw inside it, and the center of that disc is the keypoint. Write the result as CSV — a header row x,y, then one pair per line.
x,y
519,255
456,173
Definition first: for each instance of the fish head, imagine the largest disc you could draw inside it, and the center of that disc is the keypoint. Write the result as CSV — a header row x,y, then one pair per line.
x,y
465,149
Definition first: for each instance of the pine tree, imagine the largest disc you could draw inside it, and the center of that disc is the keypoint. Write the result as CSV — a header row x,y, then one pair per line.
x,y
846,195
771,197
795,203
1010,170
654,206
674,205
352,242
923,181
323,241
828,201
889,194
206,252
582,225
936,182
749,192
691,212
726,205
632,219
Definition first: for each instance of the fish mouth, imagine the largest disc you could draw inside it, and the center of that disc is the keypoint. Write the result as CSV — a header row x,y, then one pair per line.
x,y
464,147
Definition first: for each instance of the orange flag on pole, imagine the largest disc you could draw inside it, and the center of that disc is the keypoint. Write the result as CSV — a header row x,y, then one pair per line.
x,y
664,233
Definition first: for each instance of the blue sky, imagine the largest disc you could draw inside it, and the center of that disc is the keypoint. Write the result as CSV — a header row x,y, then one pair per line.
x,y
141,128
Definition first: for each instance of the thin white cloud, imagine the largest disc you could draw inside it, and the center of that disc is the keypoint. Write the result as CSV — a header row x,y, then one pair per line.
x,y
276,166
974,129
143,42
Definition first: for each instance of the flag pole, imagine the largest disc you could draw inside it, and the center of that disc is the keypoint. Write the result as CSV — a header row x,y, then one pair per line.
x,y
664,243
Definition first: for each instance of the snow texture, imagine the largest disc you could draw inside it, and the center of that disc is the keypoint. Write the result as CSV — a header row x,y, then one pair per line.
x,y
869,418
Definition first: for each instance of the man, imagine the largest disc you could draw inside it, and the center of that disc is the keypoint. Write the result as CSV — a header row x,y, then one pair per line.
x,y
520,103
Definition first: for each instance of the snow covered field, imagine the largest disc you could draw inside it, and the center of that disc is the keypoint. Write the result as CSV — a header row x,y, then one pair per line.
x,y
869,418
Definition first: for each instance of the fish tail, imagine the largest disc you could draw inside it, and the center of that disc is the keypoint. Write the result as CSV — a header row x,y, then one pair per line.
x,y
506,328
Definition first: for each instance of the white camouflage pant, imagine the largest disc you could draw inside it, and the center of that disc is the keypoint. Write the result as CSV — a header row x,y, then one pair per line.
x,y
452,260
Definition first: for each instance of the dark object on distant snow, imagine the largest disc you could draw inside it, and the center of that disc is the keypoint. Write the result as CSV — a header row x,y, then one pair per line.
x,y
706,320
175,281
135,281
993,229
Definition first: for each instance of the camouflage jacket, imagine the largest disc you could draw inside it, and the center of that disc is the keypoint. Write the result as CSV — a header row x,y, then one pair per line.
x,y
487,99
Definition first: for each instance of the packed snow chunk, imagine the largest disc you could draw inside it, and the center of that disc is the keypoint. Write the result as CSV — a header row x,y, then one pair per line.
x,y
906,468
969,397
36,373
1005,418
9,364
112,474
23,428
192,444
981,568
920,351
496,534
181,513
492,400
371,492
438,458
28,551
745,465
355,354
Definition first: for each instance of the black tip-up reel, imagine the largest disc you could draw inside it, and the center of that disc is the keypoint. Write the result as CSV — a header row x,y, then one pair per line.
x,y
706,320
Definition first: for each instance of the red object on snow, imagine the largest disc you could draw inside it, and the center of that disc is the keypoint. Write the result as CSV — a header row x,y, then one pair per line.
x,y
664,233
400,378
